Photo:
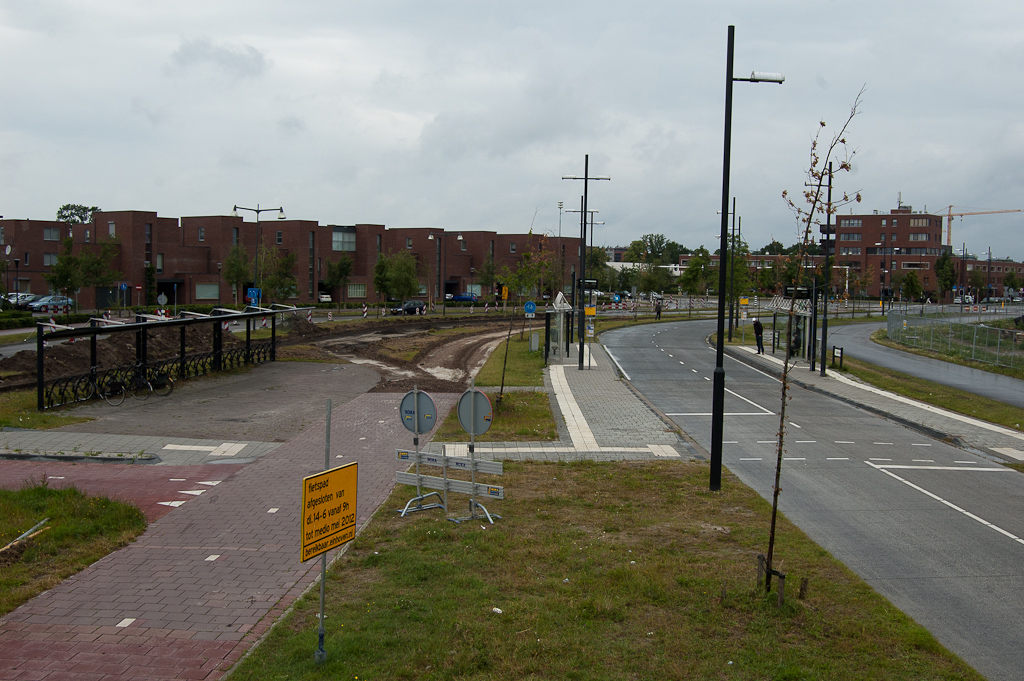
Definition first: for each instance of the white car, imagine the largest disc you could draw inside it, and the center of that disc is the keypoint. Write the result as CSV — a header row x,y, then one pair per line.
x,y
324,298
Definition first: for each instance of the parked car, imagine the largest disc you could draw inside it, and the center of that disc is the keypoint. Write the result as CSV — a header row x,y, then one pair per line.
x,y
967,300
465,298
24,299
410,307
324,298
51,303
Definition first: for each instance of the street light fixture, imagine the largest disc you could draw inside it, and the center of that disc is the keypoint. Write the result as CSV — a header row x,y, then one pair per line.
x,y
583,240
718,397
259,235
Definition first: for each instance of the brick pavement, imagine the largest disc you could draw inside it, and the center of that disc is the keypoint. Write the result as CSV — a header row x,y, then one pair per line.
x,y
191,595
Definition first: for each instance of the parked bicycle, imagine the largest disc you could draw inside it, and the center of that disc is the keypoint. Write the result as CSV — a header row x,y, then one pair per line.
x,y
162,384
109,387
138,386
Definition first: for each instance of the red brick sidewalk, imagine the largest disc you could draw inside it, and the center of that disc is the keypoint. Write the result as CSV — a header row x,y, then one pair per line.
x,y
204,582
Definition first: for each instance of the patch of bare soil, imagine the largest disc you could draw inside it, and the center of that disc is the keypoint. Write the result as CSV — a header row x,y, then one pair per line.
x,y
436,363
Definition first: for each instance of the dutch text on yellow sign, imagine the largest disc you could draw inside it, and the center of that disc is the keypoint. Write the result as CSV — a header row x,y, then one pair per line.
x,y
329,509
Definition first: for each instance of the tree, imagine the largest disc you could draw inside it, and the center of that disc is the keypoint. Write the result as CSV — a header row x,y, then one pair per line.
x,y
237,269
76,213
694,280
1010,282
279,281
381,281
487,274
768,279
403,281
774,248
911,286
808,215
338,274
945,272
66,274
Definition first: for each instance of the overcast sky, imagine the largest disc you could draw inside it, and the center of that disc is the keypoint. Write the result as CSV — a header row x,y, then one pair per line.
x,y
465,114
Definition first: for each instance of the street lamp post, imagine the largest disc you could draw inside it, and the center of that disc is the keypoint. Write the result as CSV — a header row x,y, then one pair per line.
x,y
718,397
583,241
259,236
218,283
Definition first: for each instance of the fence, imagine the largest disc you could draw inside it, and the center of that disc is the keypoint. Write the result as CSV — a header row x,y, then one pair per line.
x,y
1002,347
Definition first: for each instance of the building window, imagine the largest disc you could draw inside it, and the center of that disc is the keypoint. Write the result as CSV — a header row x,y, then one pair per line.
x,y
51,233
848,237
357,290
883,222
343,239
207,291
234,236
159,263
918,222
850,222
847,250
894,233
149,232
202,234
914,265
280,238
408,242
462,244
512,247
25,261
49,259
111,230
380,244
919,237
86,236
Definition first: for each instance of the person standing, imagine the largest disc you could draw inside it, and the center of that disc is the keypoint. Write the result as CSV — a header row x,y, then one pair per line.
x,y
657,310
759,335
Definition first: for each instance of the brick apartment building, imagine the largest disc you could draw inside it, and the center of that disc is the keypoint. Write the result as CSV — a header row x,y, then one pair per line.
x,y
188,254
893,243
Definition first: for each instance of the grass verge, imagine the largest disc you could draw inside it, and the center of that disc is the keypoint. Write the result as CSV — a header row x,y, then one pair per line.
x,y
524,368
936,394
18,410
521,417
82,529
628,570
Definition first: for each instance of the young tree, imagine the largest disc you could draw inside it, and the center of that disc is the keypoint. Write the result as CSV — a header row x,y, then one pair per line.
x,y
911,286
1010,283
279,281
768,279
338,274
694,280
403,281
945,272
381,280
66,274
237,269
809,215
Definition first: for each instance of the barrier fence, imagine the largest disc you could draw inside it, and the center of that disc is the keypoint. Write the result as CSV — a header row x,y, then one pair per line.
x,y
986,344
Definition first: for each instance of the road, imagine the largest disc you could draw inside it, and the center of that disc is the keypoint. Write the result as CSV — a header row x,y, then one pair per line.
x,y
855,339
935,530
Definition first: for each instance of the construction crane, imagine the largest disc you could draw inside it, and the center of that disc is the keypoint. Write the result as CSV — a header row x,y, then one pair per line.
x,y
950,215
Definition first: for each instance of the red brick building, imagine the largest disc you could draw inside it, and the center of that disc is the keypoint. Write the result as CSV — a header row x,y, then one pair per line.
x,y
188,254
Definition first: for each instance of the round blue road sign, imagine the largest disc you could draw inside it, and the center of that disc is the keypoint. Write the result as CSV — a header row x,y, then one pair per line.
x,y
530,307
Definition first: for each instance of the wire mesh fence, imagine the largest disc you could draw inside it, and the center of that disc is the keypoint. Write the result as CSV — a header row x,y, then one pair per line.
x,y
978,342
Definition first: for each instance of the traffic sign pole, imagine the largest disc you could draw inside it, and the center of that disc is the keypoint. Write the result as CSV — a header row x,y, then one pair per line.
x,y
320,655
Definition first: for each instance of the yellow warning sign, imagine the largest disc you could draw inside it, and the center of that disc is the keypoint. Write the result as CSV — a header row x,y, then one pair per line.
x,y
329,509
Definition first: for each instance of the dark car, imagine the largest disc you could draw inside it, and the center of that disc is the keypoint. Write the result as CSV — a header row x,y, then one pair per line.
x,y
50,303
410,307
24,300
465,298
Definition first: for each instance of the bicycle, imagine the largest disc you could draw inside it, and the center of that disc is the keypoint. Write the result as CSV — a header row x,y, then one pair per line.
x,y
137,385
163,384
110,389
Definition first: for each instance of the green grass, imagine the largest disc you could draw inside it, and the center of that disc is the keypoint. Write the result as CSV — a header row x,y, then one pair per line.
x,y
521,416
601,571
18,410
936,394
82,529
523,367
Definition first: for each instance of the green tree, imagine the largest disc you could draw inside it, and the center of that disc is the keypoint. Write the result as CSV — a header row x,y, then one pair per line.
x,y
697,274
65,276
76,213
278,270
1010,282
237,269
403,281
768,279
338,274
487,274
912,289
774,248
381,281
97,267
945,272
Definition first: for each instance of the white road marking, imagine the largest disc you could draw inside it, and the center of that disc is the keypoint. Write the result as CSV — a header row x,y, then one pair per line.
x,y
125,622
806,442
212,557
752,459
728,413
225,449
923,460
177,479
970,462
919,444
998,469
211,483
54,477
838,458
273,510
844,442
767,411
877,459
881,443
614,359
766,442
950,504
795,425
173,504
793,458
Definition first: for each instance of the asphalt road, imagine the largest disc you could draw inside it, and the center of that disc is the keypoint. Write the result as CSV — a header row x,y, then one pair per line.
x,y
934,529
855,339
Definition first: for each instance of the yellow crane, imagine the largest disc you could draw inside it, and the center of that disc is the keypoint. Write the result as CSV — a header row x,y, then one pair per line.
x,y
950,215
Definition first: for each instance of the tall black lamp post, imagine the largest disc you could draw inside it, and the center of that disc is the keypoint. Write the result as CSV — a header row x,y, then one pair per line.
x,y
583,242
259,235
718,397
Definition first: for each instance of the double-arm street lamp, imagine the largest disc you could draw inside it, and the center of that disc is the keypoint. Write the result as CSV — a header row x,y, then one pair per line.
x,y
718,397
441,265
583,241
259,235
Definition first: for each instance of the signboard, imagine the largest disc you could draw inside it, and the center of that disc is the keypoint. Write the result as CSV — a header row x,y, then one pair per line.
x,y
591,314
328,509
418,412
124,286
254,293
744,301
504,292
138,287
529,307
474,412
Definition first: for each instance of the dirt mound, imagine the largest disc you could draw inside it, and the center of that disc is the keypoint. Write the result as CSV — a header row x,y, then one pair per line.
x,y
118,349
